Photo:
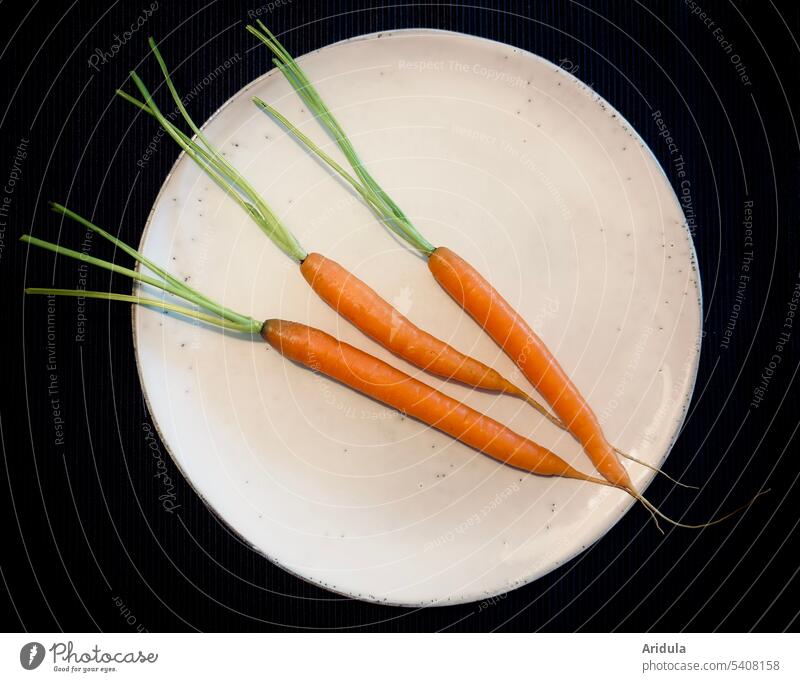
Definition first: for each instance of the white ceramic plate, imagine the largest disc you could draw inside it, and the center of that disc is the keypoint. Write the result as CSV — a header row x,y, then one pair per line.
x,y
524,171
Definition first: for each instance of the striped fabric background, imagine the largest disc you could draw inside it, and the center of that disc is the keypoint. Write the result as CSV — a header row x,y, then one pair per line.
x,y
86,544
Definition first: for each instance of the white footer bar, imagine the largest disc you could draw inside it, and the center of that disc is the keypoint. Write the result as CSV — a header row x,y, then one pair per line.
x,y
351,657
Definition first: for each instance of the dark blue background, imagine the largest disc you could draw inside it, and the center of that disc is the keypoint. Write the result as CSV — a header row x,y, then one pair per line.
x,y
86,543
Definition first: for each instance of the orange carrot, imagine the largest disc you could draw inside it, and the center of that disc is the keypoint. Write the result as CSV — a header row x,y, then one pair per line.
x,y
493,313
380,381
367,374
354,300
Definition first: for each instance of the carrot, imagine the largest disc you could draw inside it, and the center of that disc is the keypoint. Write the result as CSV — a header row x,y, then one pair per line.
x,y
347,294
321,352
507,328
464,284
358,303
382,382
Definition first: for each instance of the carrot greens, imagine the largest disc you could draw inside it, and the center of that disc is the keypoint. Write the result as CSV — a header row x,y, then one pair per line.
x,y
214,163
389,211
206,310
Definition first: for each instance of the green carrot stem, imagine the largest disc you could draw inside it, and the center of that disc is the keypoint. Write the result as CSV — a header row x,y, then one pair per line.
x,y
373,200
233,184
113,267
266,221
391,213
300,82
214,163
222,164
186,117
185,292
133,253
203,159
137,256
186,143
307,92
251,327
370,191
297,77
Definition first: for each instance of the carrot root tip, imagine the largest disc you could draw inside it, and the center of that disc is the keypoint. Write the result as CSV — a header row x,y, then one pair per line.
x,y
655,511
656,469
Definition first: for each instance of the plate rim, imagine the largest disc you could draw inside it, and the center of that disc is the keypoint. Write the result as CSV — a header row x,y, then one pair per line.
x,y
614,519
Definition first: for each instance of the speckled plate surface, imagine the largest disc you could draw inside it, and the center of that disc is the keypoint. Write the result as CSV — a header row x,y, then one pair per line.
x,y
524,171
